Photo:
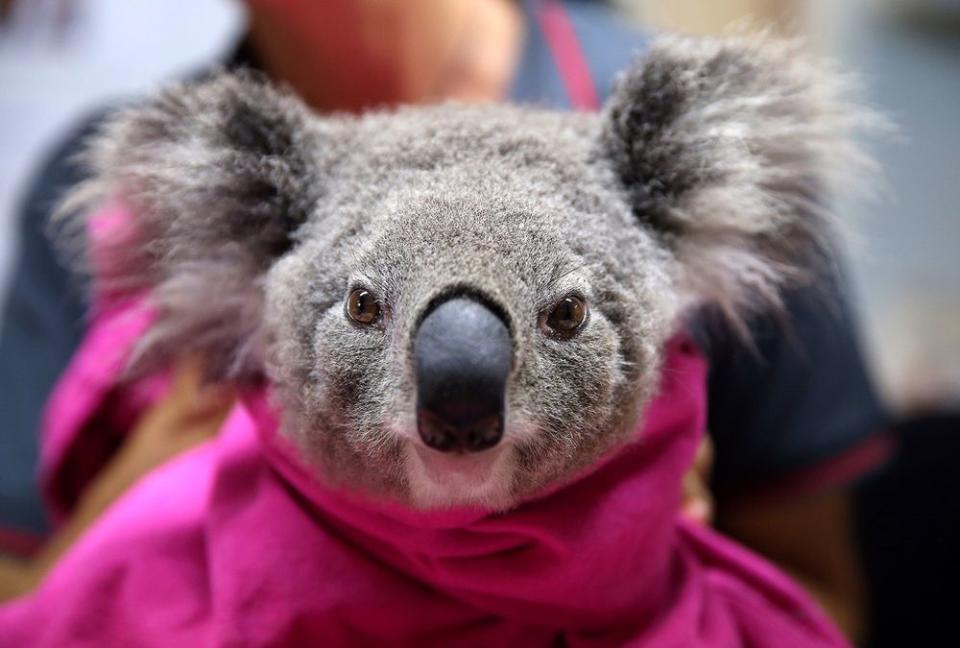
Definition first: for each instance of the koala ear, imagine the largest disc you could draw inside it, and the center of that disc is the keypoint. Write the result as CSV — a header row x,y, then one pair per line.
x,y
727,149
216,177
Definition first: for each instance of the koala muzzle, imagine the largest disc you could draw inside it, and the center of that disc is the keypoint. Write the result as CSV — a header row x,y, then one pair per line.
x,y
463,357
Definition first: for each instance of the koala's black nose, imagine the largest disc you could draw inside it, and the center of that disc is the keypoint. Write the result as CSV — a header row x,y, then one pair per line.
x,y
463,356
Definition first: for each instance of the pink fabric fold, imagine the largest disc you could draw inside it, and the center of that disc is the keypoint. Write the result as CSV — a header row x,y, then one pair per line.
x,y
238,543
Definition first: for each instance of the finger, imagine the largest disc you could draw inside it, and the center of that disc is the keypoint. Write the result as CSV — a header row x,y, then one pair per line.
x,y
697,501
703,459
192,397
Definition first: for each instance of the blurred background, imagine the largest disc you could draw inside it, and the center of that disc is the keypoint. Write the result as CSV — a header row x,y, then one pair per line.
x,y
60,59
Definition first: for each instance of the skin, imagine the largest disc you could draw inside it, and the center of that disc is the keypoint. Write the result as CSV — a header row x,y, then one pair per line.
x,y
368,53
423,73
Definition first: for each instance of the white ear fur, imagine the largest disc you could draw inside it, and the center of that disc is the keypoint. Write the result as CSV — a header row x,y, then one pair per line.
x,y
730,149
216,176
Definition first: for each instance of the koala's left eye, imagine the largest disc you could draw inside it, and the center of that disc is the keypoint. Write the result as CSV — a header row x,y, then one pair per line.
x,y
363,307
567,317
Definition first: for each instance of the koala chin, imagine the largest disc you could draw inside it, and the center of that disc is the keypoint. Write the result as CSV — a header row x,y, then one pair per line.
x,y
464,305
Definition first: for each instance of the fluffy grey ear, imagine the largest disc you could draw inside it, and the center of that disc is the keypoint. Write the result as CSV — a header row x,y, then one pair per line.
x,y
728,149
216,177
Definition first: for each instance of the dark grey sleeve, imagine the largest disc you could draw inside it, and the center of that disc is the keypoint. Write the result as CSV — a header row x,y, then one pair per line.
x,y
802,397
43,323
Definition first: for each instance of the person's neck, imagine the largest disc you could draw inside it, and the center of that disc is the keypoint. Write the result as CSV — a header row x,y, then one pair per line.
x,y
341,56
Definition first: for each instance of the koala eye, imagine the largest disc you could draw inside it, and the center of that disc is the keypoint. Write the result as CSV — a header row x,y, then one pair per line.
x,y
363,307
567,316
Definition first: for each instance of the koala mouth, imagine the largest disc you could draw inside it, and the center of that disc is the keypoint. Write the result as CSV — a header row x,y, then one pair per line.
x,y
450,479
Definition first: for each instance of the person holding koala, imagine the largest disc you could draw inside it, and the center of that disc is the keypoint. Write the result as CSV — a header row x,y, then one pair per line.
x,y
618,287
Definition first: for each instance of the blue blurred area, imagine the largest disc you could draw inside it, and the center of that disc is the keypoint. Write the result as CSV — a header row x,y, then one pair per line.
x,y
907,265
59,59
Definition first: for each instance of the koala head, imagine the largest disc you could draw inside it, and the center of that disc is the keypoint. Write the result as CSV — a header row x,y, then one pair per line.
x,y
460,306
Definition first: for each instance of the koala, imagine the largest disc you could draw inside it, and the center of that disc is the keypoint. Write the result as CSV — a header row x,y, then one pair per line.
x,y
461,306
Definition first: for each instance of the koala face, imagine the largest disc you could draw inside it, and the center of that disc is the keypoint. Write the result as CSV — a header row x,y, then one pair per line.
x,y
461,306
467,316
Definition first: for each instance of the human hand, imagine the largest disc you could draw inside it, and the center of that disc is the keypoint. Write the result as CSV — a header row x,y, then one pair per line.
x,y
187,415
697,501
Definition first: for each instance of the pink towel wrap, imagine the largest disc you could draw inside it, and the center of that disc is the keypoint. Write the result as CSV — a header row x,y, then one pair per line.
x,y
236,543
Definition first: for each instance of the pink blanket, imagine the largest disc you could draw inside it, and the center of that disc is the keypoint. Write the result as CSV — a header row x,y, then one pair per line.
x,y
235,543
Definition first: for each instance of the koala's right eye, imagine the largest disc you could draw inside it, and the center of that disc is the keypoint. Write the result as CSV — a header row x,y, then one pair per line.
x,y
566,318
363,307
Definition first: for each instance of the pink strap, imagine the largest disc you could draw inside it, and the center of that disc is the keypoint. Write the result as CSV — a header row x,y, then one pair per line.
x,y
568,55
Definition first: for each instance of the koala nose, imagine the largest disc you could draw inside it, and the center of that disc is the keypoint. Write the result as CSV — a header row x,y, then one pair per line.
x,y
463,355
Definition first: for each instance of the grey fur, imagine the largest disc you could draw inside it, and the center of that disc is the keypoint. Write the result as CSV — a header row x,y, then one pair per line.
x,y
731,149
701,182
